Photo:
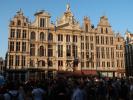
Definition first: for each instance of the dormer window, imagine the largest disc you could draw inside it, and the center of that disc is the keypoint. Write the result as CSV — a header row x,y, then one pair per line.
x,y
106,30
12,23
118,39
101,30
86,28
24,24
42,22
19,23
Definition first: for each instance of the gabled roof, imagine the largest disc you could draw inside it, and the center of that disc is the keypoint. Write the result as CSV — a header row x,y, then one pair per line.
x,y
104,21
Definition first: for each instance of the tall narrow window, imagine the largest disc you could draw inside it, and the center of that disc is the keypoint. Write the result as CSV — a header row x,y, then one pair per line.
x,y
18,33
42,22
33,36
18,22
92,46
107,41
17,46
42,37
112,53
23,46
98,52
67,38
60,37
87,46
106,30
107,53
11,60
108,64
86,28
91,38
17,62
32,49
92,64
60,50
60,63
41,51
68,50
101,30
24,34
82,46
97,64
43,63
87,38
50,63
32,63
12,33
23,61
75,51
111,40
102,52
82,65
82,55
92,55
50,50
50,37
82,38
11,46
102,39
75,38
113,64
103,64
87,63
97,39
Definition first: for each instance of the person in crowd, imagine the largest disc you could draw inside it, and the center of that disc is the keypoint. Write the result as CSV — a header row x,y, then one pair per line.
x,y
37,92
78,92
13,92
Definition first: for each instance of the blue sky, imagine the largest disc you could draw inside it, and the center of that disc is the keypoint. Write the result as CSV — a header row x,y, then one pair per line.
x,y
119,13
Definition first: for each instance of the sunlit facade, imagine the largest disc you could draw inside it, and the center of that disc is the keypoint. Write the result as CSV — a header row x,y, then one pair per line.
x,y
41,49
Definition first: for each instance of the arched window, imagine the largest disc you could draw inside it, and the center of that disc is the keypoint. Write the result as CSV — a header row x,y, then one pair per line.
x,y
50,37
41,51
33,36
42,37
18,22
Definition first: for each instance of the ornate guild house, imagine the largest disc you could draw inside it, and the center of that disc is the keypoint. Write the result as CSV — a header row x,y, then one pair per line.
x,y
41,49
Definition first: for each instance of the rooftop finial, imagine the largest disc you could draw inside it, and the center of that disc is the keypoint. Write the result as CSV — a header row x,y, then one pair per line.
x,y
20,11
68,7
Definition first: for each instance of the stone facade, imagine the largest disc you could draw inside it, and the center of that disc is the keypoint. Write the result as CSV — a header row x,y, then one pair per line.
x,y
41,48
2,66
129,53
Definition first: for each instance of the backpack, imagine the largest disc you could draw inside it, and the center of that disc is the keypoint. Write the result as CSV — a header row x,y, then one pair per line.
x,y
14,97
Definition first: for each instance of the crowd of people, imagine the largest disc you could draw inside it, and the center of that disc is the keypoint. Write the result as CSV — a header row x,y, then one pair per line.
x,y
83,88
